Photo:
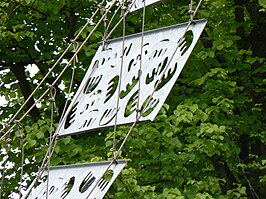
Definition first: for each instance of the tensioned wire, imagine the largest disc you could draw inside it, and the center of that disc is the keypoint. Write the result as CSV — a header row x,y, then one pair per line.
x,y
148,100
121,69
162,75
49,152
52,102
107,25
72,78
113,149
73,58
75,61
112,18
59,75
7,143
39,174
110,22
44,163
147,103
59,59
154,89
50,70
78,93
20,136
141,58
120,77
151,95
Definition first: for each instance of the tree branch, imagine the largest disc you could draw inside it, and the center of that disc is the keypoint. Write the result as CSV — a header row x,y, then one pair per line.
x,y
32,8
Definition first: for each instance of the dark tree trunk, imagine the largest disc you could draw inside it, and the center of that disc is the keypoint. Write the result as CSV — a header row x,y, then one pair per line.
x,y
240,30
258,34
223,171
24,85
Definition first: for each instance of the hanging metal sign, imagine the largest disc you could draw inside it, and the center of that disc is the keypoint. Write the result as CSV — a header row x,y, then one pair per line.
x,y
98,98
139,4
77,181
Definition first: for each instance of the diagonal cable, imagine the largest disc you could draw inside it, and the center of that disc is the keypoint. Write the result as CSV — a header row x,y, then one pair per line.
x,y
61,73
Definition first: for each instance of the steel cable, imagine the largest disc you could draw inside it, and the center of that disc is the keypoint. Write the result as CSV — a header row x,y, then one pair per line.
x,y
146,105
45,77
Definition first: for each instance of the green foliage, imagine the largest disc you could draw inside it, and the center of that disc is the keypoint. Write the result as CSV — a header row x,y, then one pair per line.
x,y
208,140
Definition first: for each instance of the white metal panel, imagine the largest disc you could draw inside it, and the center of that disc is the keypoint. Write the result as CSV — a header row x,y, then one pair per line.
x,y
77,181
139,4
94,105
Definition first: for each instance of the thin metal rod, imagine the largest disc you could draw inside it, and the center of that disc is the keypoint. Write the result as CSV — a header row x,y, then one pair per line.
x,y
97,182
61,73
124,14
197,8
112,18
107,26
141,57
52,102
4,168
22,162
120,79
121,19
113,160
70,87
49,72
133,125
78,94
160,79
138,117
55,135
39,174
55,64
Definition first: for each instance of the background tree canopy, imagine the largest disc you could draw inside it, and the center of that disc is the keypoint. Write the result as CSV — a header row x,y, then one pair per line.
x,y
208,140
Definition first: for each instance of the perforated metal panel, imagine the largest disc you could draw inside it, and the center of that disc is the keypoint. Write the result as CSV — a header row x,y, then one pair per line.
x,y
77,181
139,4
94,105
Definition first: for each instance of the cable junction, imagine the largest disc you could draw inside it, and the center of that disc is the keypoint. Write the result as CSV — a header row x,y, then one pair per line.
x,y
141,105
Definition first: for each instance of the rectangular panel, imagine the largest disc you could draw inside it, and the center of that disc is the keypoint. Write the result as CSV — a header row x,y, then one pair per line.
x,y
77,181
139,4
163,58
